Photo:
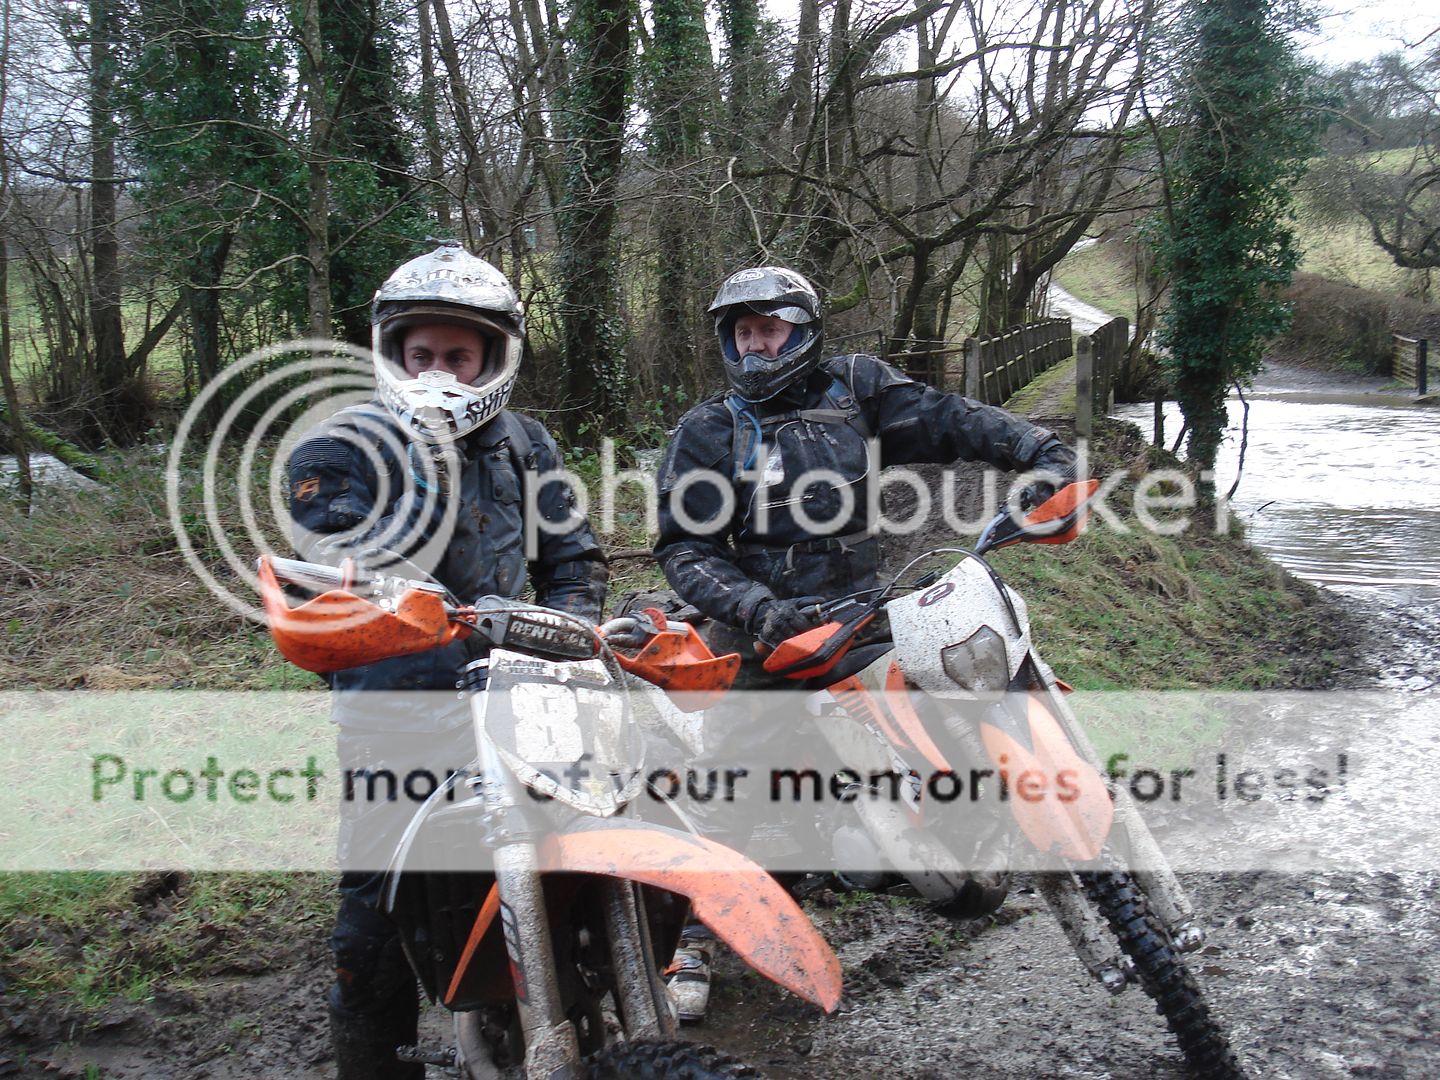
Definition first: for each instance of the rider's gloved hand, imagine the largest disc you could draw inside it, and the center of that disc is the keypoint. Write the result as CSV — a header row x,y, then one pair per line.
x,y
1052,466
775,620
624,634
1032,495
1039,484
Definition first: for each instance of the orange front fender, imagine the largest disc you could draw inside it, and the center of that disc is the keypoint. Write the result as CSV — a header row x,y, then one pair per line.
x,y
734,897
1072,815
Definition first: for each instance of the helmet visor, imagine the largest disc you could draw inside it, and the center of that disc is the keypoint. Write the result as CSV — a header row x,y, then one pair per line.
x,y
789,312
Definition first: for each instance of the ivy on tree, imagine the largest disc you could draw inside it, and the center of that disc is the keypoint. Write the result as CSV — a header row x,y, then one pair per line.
x,y
1248,124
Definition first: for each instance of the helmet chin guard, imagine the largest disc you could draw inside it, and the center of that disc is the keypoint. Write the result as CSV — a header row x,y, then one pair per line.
x,y
453,287
781,294
756,377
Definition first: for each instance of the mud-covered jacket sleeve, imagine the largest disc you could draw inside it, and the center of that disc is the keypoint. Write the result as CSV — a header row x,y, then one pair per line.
x,y
917,423
696,513
334,488
567,563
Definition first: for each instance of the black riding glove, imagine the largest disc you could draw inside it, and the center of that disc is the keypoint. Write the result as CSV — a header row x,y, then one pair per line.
x,y
775,620
1046,478
1032,495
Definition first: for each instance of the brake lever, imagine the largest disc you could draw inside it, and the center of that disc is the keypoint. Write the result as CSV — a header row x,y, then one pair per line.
x,y
845,609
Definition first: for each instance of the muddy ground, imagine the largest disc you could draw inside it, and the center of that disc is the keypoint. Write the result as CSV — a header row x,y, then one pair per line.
x,y
1314,976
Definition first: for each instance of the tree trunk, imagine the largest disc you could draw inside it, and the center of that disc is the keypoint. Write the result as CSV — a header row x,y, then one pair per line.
x,y
595,362
50,443
802,72
206,273
7,377
430,122
741,19
925,336
112,418
681,56
317,218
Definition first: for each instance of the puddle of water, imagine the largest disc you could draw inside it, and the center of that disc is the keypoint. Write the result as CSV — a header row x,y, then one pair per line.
x,y
1337,489
45,469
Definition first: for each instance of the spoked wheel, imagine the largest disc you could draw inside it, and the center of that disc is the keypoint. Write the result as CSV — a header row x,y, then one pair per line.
x,y
665,1059
1164,976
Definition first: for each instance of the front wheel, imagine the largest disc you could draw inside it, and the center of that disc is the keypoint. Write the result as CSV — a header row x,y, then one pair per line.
x,y
1163,975
665,1059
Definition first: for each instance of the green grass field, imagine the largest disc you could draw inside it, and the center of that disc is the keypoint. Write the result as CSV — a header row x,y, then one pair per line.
x,y
1343,251
1346,252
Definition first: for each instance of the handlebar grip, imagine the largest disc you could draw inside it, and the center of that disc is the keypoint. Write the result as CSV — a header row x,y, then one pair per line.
x,y
308,575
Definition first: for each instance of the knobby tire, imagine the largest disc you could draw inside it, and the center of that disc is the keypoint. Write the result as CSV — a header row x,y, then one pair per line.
x,y
1164,976
665,1059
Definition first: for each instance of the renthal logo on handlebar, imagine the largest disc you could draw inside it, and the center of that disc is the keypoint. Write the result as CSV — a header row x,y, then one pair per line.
x,y
537,632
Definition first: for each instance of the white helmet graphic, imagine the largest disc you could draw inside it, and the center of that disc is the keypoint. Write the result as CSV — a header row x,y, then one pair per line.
x,y
447,285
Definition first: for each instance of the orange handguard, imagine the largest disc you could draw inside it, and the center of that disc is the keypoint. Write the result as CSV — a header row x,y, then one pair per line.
x,y
680,663
338,629
1063,503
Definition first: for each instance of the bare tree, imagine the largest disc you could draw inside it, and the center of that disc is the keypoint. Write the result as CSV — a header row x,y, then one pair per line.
x,y
1013,133
1400,202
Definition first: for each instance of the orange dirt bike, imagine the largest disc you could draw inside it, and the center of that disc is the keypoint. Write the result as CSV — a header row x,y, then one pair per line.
x,y
931,698
531,902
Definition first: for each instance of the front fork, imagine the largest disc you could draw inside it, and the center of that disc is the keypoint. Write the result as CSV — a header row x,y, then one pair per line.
x,y
1157,881
1065,895
552,1046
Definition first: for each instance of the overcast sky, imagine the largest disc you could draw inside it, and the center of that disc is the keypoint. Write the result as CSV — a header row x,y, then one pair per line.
x,y
1366,28
1354,30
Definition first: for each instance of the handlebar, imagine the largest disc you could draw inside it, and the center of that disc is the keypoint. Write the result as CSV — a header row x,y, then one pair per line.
x,y
502,622
315,576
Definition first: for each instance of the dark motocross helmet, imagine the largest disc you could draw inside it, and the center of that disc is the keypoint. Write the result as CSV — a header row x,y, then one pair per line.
x,y
784,294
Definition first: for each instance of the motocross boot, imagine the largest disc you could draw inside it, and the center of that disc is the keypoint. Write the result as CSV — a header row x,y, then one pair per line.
x,y
365,1049
688,976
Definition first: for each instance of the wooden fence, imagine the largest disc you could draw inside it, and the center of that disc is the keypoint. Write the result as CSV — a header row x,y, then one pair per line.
x,y
1097,358
997,367
1409,361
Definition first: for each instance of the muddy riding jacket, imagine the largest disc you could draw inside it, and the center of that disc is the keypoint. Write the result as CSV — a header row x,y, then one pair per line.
x,y
473,542
804,482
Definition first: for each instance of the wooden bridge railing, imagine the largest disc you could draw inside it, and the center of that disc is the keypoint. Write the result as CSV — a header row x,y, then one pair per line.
x,y
1096,360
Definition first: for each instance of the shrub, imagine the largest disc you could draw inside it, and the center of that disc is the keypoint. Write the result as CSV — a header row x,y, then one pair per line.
x,y
1338,325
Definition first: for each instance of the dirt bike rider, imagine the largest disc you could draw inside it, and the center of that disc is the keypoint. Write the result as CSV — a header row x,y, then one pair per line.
x,y
760,570
431,476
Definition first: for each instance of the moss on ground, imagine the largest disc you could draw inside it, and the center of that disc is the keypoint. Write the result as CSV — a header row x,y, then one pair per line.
x,y
1050,395
85,940
1101,274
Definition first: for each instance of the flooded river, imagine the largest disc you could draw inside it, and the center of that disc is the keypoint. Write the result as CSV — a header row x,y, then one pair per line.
x,y
1339,484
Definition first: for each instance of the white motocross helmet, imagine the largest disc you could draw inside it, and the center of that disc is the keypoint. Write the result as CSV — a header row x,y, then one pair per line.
x,y
448,285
